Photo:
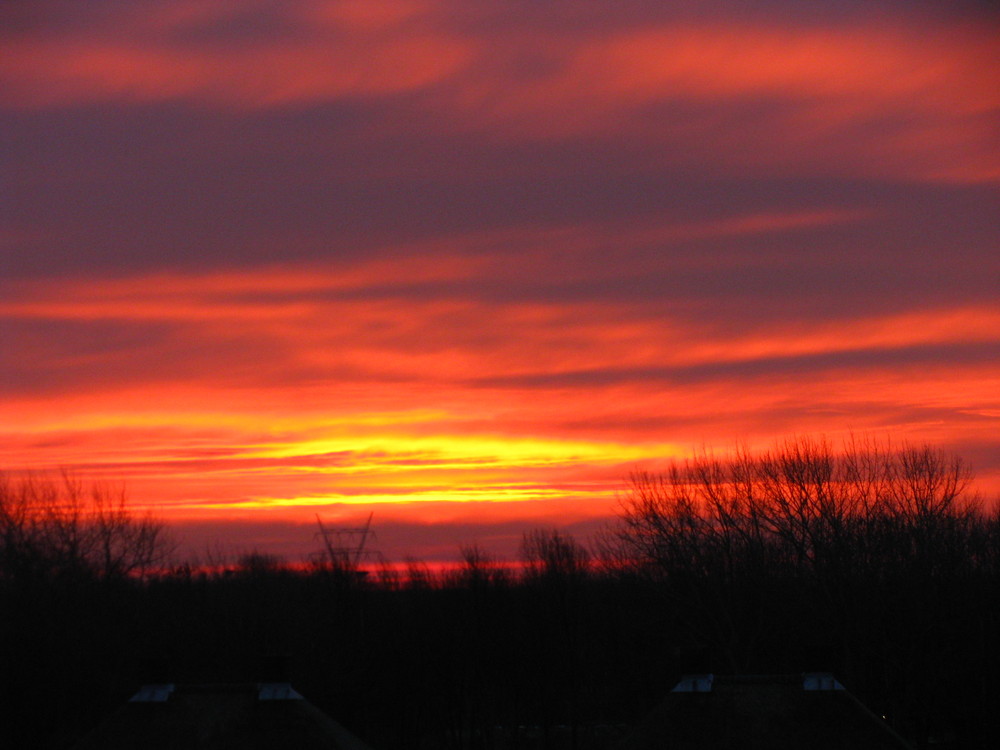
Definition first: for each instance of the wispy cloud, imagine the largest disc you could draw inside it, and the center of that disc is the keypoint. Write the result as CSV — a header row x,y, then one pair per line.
x,y
901,93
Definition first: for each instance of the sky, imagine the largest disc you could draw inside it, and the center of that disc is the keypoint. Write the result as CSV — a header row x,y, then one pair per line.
x,y
466,265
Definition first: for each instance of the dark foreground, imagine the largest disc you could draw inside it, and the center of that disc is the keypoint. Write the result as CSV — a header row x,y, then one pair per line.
x,y
869,564
562,657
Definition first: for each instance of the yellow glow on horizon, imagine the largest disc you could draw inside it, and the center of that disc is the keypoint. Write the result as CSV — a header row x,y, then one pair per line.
x,y
419,402
463,495
467,450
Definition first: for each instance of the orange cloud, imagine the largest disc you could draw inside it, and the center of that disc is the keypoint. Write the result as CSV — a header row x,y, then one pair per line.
x,y
538,253
750,61
934,91
455,337
69,71
900,95
352,400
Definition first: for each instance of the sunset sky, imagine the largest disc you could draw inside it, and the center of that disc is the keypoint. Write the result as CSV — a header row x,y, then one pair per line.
x,y
468,264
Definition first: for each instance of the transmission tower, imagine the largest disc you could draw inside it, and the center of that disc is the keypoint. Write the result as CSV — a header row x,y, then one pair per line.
x,y
346,547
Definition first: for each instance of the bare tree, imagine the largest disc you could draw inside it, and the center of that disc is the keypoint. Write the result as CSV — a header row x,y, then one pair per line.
x,y
53,525
479,568
721,532
549,554
798,503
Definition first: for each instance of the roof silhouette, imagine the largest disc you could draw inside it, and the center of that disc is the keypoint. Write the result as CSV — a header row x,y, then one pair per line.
x,y
220,717
762,711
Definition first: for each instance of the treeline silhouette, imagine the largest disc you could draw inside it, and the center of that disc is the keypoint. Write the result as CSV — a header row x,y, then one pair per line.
x,y
874,563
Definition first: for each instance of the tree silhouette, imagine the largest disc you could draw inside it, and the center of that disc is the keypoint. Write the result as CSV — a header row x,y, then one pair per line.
x,y
57,526
869,558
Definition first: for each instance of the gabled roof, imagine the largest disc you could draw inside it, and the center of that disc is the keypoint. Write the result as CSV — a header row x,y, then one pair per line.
x,y
219,717
716,712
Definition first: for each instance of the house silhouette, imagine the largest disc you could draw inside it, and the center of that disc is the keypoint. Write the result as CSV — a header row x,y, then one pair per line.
x,y
219,717
712,712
